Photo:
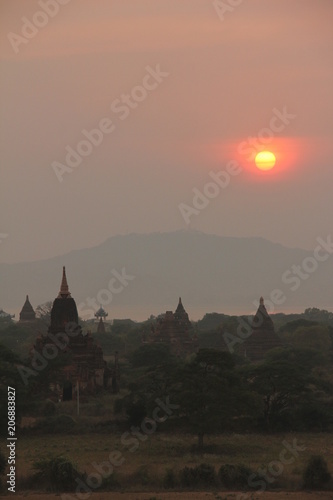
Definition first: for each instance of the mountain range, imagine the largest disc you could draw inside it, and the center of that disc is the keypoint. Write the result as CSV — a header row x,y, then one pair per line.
x,y
211,273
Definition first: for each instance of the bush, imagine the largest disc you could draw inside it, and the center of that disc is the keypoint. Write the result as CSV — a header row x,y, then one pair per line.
x,y
316,474
234,476
136,412
170,480
110,483
142,476
201,475
56,473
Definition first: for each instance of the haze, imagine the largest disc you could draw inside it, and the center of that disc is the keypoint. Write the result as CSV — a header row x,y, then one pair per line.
x,y
225,79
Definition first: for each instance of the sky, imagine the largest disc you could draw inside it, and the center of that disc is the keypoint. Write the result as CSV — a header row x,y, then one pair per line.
x,y
145,115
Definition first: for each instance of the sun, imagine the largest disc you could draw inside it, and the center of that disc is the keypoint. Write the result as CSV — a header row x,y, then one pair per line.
x,y
265,160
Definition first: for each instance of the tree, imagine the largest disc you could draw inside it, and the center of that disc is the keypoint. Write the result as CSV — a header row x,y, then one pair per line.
x,y
287,381
150,355
43,311
316,474
156,381
9,377
316,314
210,393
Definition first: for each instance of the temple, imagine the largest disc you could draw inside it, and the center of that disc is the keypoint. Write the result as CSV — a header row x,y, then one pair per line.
x,y
101,315
173,329
27,313
86,366
263,337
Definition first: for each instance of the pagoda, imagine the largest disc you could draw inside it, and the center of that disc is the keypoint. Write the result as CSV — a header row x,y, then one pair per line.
x,y
173,329
263,337
85,366
181,315
27,312
101,315
63,309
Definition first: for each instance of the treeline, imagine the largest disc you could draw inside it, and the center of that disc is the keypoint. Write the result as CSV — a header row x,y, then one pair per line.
x,y
216,392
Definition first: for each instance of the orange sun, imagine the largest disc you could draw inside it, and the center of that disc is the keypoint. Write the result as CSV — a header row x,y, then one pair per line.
x,y
265,160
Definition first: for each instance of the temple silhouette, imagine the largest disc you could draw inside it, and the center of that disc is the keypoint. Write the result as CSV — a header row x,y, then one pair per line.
x,y
174,330
86,367
263,337
101,315
27,313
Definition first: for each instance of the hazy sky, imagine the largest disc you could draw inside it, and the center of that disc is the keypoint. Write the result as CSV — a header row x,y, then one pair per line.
x,y
220,79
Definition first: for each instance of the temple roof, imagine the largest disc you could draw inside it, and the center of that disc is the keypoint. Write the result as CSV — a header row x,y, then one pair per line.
x,y
63,309
64,292
27,312
262,338
27,307
262,319
180,307
181,315
101,313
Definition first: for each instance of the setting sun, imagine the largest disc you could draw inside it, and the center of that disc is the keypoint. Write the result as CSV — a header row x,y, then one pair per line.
x,y
265,160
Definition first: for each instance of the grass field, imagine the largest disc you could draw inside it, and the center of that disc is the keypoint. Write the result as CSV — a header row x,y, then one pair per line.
x,y
189,496
144,469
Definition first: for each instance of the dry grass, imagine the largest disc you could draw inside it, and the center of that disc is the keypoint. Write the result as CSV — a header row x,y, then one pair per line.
x,y
187,496
174,451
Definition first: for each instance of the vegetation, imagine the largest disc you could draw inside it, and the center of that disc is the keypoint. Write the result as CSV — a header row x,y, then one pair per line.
x,y
56,474
316,475
200,476
159,460
229,418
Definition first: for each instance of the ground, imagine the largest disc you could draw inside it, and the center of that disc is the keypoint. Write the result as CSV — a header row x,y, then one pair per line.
x,y
144,468
187,496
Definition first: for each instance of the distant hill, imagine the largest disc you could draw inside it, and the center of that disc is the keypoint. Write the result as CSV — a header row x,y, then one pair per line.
x,y
211,274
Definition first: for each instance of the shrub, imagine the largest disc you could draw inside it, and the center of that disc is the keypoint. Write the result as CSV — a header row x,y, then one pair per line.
x,y
234,476
201,475
141,476
110,483
170,480
316,474
56,473
136,412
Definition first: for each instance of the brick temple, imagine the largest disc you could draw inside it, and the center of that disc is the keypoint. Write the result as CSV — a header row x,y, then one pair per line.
x,y
86,367
174,329
27,313
101,315
263,337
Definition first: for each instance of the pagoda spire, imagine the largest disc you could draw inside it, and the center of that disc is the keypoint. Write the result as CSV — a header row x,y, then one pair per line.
x,y
27,312
64,292
180,308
